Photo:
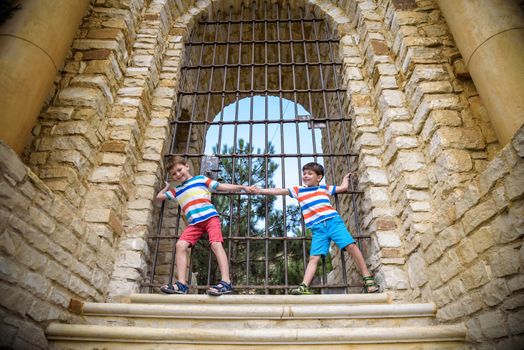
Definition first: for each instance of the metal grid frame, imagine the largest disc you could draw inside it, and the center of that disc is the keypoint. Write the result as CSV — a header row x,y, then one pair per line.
x,y
193,73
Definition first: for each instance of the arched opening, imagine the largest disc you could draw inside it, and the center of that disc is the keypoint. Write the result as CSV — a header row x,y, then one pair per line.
x,y
260,90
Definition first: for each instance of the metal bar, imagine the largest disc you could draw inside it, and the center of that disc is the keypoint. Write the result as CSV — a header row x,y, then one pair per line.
x,y
297,131
209,265
329,137
266,150
258,91
268,121
265,155
237,98
277,20
325,104
219,146
348,160
335,80
195,96
308,84
254,64
251,111
210,86
253,238
282,148
192,118
183,83
172,267
272,287
238,42
157,245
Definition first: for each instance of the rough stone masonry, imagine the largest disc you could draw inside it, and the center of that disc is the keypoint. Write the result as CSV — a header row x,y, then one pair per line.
x,y
442,201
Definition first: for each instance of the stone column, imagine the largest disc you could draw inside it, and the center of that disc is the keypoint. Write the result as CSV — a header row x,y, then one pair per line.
x,y
490,37
33,45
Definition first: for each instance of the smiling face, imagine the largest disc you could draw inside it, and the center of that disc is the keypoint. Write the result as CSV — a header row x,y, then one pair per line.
x,y
310,178
180,172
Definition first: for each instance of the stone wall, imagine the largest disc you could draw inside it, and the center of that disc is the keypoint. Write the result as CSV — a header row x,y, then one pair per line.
x,y
475,265
105,130
448,190
48,256
91,161
441,202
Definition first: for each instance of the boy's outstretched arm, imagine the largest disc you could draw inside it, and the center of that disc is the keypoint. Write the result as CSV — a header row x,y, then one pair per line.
x,y
344,185
234,188
273,191
162,194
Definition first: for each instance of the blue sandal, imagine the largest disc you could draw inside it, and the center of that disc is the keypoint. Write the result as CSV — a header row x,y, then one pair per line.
x,y
220,288
181,288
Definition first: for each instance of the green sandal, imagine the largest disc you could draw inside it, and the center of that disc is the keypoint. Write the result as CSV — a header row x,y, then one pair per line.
x,y
370,285
301,290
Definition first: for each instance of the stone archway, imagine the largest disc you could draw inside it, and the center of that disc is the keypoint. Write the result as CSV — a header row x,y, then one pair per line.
x,y
339,21
233,56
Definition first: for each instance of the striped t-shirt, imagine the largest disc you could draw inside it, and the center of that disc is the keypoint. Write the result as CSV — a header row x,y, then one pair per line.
x,y
195,199
314,202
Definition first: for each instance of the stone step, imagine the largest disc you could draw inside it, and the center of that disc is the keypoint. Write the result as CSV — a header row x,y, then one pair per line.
x,y
64,336
260,311
315,299
258,315
181,324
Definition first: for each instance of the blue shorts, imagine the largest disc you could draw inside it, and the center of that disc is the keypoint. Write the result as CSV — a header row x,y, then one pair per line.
x,y
332,229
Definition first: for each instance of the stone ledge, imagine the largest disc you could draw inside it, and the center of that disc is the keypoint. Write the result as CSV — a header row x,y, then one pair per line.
x,y
374,335
263,299
283,311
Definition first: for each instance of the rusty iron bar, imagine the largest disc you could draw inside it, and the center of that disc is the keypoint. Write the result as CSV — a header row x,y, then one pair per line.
x,y
260,65
275,42
264,155
258,91
264,121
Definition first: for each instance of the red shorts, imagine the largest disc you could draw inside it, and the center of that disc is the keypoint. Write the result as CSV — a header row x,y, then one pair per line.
x,y
192,233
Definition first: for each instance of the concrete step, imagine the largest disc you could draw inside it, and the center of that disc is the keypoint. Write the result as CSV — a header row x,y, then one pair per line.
x,y
148,321
64,336
258,315
315,299
260,311
181,324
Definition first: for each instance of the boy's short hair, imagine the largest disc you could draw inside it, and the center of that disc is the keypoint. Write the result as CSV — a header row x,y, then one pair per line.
x,y
315,167
172,161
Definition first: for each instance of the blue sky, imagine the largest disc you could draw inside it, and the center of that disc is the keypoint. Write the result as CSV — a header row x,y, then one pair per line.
x,y
288,110
275,111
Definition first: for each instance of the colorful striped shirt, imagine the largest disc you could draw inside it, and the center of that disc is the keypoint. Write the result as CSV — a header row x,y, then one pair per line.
x,y
195,199
314,202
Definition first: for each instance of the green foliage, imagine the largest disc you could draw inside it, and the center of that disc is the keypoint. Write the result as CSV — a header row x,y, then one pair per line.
x,y
245,216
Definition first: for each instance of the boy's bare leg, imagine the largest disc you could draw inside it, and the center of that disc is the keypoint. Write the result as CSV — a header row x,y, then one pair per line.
x,y
357,256
311,269
223,265
182,248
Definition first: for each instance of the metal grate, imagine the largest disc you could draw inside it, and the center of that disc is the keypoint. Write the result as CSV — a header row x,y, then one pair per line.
x,y
260,52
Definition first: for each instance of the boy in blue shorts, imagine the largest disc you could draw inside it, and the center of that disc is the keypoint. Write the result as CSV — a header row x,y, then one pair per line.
x,y
194,196
325,223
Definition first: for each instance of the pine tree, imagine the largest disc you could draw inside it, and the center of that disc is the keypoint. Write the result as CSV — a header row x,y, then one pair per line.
x,y
245,216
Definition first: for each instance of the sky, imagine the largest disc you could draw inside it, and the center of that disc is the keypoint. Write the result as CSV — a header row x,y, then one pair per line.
x,y
275,111
274,133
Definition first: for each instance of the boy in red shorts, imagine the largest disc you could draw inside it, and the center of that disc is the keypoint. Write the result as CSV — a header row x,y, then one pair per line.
x,y
194,198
